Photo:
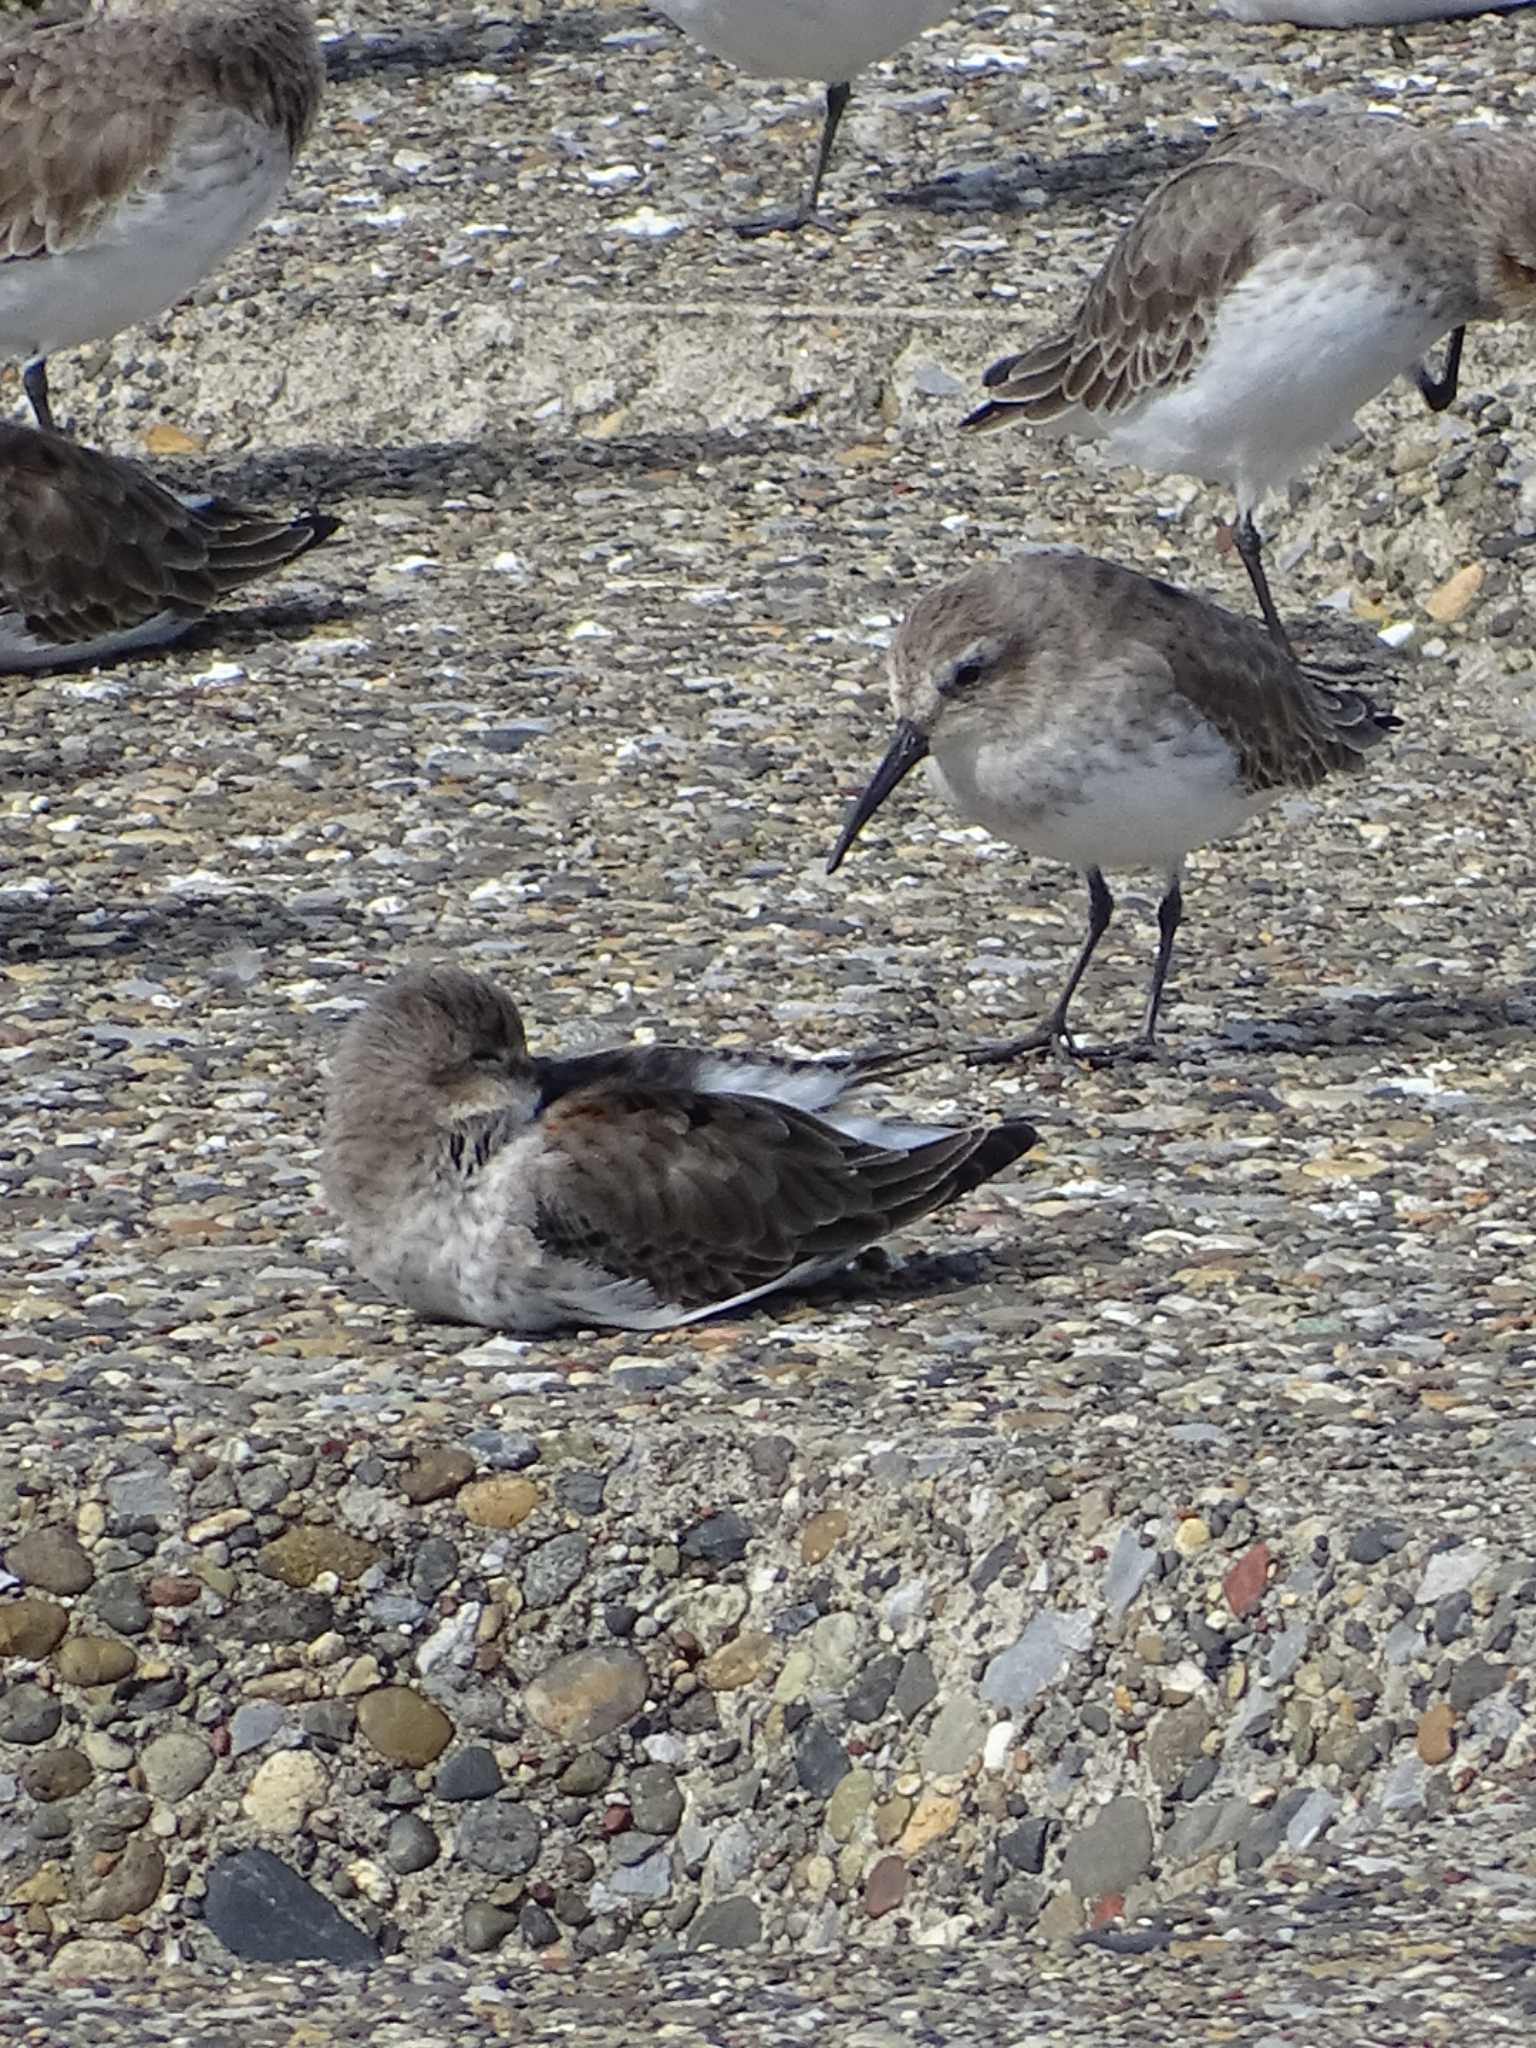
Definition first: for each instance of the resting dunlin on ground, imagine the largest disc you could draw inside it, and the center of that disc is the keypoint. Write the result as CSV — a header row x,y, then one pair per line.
x,y
637,1188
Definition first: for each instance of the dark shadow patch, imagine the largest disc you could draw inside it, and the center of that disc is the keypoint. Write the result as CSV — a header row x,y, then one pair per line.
x,y
332,474
1400,1017
175,934
1126,172
488,43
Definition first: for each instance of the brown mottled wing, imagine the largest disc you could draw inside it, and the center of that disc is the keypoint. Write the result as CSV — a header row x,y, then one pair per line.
x,y
77,125
704,1197
90,544
1289,726
1148,315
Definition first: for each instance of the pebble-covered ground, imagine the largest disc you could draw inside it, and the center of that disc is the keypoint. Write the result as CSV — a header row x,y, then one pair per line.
x,y
1127,1589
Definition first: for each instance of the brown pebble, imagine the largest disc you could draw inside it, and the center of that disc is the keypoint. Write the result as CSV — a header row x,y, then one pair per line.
x,y
1435,1740
404,1726
169,1589
885,1887
436,1473
93,1660
1245,1582
499,1503
30,1628
821,1534
302,1553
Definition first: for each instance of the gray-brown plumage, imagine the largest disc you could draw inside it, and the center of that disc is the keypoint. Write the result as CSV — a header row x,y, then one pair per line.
x,y
638,1187
1107,719
1268,290
138,144
97,558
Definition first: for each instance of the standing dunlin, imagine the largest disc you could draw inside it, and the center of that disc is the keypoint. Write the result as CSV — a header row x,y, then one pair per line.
x,y
636,1188
138,145
97,559
824,40
1100,717
1267,291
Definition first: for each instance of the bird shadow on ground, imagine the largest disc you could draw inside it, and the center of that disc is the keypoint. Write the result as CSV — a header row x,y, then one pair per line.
x,y
1400,1017
881,1276
481,44
331,475
166,934
1127,171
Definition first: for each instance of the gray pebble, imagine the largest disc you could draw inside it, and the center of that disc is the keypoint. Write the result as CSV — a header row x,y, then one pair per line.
x,y
501,1838
554,1568
916,1687
471,1773
50,1559
821,1762
120,1604
410,1844
536,1926
728,1923
175,1764
1112,1851
581,1492
435,1566
718,1539
503,1450
486,1927
1024,1846
254,1724
28,1714
655,1800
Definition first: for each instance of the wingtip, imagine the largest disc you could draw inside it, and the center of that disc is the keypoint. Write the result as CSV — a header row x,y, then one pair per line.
x,y
986,417
322,526
1001,1146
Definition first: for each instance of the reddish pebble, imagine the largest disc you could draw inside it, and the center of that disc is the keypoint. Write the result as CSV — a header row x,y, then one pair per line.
x,y
1244,1584
1102,1911
170,1590
886,1886
617,1820
218,1740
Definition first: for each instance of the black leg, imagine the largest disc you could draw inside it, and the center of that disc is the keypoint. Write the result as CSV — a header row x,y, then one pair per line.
x,y
803,214
1053,1033
1169,911
34,381
1250,550
1437,392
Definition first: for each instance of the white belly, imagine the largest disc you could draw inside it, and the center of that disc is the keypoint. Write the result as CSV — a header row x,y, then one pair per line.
x,y
226,173
1362,13
1293,356
825,40
1098,803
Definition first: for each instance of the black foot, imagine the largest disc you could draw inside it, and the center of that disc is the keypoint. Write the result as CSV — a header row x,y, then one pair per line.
x,y
788,223
1438,392
1057,1039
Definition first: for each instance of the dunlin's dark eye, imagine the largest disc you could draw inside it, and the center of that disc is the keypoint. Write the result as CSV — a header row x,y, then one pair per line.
x,y
967,673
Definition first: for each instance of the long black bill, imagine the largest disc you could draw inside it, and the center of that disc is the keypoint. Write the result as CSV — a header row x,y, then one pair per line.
x,y
903,754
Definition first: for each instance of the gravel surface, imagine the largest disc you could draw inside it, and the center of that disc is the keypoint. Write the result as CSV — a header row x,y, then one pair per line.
x,y
1127,1590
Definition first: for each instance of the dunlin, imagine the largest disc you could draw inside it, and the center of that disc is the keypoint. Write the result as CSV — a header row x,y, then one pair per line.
x,y
97,559
636,1188
824,40
1268,290
1100,717
138,145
